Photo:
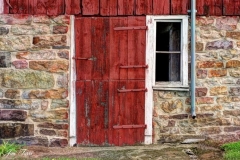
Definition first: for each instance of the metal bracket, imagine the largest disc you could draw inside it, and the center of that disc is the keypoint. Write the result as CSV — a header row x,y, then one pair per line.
x,y
131,28
89,59
135,66
130,126
132,90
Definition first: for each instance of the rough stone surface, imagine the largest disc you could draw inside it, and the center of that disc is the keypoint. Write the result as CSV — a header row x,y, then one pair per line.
x,y
12,94
210,64
13,115
221,44
200,92
58,143
222,90
50,66
34,71
27,79
13,130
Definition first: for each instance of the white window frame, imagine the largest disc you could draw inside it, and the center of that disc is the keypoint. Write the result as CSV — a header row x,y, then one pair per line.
x,y
151,21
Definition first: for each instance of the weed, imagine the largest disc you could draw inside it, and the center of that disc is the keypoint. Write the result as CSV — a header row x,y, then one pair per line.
x,y
7,148
68,158
232,150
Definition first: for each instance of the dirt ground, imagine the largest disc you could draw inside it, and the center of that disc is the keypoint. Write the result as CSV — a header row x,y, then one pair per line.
x,y
148,152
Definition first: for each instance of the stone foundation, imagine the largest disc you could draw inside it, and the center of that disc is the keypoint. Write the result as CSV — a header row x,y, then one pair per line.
x,y
34,78
217,91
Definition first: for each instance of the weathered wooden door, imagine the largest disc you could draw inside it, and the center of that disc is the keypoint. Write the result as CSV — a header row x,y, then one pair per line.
x,y
110,86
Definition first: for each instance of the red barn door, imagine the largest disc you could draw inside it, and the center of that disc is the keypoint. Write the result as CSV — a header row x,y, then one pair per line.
x,y
110,86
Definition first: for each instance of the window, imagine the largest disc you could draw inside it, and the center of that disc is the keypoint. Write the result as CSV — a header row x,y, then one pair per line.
x,y
167,52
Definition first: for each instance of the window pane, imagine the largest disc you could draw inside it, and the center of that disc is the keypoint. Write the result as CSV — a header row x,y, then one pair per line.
x,y
168,38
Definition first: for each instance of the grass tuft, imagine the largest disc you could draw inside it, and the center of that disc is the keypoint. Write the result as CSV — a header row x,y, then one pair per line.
x,y
7,148
232,150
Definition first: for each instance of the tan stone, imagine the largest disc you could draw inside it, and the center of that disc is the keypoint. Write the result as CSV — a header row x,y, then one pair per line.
x,y
233,35
222,90
50,66
204,100
60,93
165,95
12,94
210,64
210,130
171,106
233,64
207,108
235,73
217,73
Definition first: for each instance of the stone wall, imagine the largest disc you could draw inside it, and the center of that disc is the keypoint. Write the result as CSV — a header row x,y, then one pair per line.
x,y
217,92
34,72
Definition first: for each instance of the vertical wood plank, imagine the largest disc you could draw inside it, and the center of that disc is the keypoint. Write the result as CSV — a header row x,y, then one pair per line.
x,y
90,7
161,7
19,6
99,112
72,6
114,112
108,7
118,48
51,7
136,47
209,7
180,7
144,7
100,48
83,43
231,7
126,7
84,103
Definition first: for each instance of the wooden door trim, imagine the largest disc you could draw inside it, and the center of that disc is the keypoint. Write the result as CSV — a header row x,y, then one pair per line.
x,y
72,95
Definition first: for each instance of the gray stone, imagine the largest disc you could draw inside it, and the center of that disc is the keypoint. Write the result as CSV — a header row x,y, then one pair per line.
x,y
15,43
220,44
27,79
40,141
13,115
30,29
4,30
38,55
5,59
13,130
59,104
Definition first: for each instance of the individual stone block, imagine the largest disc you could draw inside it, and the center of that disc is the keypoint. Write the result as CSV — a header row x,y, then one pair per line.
x,y
227,23
22,64
40,141
231,129
222,90
210,64
47,132
204,100
54,126
15,43
234,91
62,81
60,29
233,35
12,94
13,115
179,116
211,108
220,44
57,40
30,29
210,130
172,106
234,113
26,79
201,74
15,104
13,130
217,73
233,64
63,54
4,30
58,142
5,59
200,92
50,66
62,19
203,21
15,19
38,55
59,104
60,93
235,73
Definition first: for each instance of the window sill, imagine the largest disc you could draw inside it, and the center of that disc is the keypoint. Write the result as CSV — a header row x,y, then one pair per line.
x,y
173,88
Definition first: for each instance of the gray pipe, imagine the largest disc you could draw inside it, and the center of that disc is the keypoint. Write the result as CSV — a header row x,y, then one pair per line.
x,y
193,71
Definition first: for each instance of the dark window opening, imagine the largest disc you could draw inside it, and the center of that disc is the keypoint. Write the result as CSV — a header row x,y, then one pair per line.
x,y
168,51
